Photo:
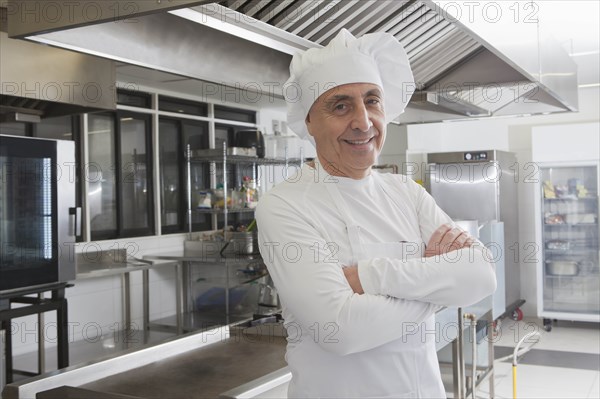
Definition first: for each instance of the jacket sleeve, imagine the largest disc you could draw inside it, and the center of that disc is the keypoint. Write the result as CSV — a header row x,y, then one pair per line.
x,y
458,278
312,286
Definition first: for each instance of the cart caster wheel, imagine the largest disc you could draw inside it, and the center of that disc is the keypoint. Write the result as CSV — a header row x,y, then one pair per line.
x,y
496,327
548,325
517,314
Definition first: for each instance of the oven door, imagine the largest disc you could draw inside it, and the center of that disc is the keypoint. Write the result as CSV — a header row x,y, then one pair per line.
x,y
36,192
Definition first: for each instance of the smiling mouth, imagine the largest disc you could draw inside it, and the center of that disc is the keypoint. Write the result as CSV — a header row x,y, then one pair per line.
x,y
359,142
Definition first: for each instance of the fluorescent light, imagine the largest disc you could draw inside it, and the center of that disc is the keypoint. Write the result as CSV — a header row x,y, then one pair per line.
x,y
589,85
585,53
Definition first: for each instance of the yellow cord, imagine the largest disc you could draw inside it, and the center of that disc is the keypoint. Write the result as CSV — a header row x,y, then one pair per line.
x,y
514,368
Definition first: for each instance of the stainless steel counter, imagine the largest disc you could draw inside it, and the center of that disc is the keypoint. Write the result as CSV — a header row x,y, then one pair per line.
x,y
201,373
198,365
202,257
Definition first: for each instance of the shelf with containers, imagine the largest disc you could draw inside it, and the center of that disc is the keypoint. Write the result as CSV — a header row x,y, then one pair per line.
x,y
229,200
232,280
569,265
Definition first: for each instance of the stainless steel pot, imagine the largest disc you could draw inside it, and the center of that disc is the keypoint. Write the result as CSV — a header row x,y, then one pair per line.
x,y
242,243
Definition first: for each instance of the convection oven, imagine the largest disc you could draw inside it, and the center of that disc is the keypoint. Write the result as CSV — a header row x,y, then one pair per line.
x,y
38,218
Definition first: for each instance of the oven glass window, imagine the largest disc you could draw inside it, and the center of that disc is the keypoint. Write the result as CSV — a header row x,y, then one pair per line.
x,y
28,226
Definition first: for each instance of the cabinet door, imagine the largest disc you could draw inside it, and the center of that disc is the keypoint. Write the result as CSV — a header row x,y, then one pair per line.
x,y
571,278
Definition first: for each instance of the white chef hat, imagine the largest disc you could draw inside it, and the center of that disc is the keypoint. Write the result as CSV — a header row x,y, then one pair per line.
x,y
376,58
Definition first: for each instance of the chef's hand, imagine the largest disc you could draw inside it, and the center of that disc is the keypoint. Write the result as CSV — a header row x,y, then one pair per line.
x,y
447,239
351,273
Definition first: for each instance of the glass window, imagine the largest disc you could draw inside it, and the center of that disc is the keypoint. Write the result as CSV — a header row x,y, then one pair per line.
x,y
224,134
59,128
14,128
102,191
172,193
134,98
180,106
235,114
134,174
119,172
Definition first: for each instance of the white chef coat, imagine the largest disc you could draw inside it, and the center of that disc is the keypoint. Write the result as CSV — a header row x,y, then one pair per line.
x,y
381,343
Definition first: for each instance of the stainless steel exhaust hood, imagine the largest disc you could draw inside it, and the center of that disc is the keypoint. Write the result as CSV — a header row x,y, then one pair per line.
x,y
39,81
460,74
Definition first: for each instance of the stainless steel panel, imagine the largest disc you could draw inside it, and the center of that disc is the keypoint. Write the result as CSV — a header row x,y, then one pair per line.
x,y
291,15
65,159
309,11
448,184
492,236
340,12
461,156
509,214
172,44
483,191
28,18
54,81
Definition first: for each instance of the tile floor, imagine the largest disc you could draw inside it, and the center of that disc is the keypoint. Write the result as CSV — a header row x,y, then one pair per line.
x,y
564,363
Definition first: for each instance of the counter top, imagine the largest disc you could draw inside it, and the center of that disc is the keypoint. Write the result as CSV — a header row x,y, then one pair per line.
x,y
202,373
93,270
67,392
200,256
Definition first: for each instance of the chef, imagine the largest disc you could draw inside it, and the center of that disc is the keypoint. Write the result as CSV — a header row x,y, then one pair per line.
x,y
361,260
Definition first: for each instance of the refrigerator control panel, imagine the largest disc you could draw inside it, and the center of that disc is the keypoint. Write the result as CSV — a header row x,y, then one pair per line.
x,y
475,156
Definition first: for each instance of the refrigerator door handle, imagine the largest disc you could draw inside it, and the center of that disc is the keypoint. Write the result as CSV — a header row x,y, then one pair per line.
x,y
75,221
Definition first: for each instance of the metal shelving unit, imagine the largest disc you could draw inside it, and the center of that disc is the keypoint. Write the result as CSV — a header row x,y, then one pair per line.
x,y
230,277
223,160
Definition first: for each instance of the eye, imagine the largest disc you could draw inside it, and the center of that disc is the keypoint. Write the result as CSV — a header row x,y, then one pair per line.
x,y
340,107
373,101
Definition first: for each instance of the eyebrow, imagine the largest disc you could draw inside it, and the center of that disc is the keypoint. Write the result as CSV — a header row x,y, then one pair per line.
x,y
340,97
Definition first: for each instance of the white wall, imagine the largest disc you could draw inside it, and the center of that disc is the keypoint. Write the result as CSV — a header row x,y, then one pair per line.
x,y
515,135
394,149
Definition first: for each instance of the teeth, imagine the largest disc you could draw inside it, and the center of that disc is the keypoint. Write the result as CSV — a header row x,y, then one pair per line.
x,y
358,141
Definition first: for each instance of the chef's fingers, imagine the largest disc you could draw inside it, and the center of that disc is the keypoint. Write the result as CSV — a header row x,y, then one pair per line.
x,y
437,235
461,241
450,237
439,241
470,241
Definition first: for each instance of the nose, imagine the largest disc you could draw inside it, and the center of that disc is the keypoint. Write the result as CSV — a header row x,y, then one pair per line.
x,y
361,119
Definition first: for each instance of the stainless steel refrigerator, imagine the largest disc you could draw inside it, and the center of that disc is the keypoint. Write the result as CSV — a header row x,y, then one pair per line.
x,y
481,186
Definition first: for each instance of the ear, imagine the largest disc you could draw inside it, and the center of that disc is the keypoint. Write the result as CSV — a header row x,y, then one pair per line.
x,y
308,124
